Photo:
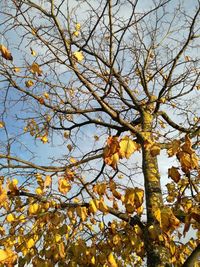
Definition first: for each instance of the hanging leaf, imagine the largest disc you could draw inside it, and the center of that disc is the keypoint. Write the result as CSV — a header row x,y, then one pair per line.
x,y
155,150
5,53
36,69
47,181
78,55
112,260
174,148
29,83
174,174
63,186
7,257
33,53
127,147
1,124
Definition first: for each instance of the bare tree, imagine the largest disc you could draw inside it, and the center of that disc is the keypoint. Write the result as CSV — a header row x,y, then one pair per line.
x,y
99,103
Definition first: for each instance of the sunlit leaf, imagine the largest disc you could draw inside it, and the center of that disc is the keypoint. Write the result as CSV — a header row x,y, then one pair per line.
x,y
29,83
112,260
63,186
127,147
5,52
78,55
36,69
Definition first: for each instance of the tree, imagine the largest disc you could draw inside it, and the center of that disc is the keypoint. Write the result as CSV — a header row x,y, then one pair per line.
x,y
99,103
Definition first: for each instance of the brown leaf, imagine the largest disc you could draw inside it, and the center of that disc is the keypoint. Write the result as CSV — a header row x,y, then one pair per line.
x,y
174,174
36,69
5,53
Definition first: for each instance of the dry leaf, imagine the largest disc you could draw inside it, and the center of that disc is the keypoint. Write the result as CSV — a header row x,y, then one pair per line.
x,y
36,69
5,53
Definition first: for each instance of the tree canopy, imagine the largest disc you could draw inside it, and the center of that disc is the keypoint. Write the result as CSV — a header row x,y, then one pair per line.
x,y
99,133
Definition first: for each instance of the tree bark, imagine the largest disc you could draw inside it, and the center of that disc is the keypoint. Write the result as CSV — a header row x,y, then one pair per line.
x,y
157,253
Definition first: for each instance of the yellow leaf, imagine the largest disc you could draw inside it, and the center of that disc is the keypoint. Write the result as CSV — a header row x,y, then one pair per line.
x,y
29,83
47,181
168,222
16,69
63,186
174,148
139,195
72,160
76,33
57,238
112,260
33,208
78,55
101,226
46,95
127,147
162,100
102,206
61,249
188,161
92,207
36,69
10,218
78,26
39,191
92,260
1,124
174,174
33,53
44,139
7,257
5,53
30,243
3,196
82,213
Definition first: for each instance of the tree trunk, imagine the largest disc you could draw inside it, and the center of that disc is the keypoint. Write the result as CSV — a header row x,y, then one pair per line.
x,y
157,254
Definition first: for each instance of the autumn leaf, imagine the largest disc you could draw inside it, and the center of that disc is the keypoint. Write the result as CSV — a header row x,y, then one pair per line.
x,y
127,147
30,243
167,220
78,26
174,174
63,186
29,83
112,260
7,257
93,206
155,150
174,147
1,124
44,139
33,209
76,33
139,196
10,218
82,213
47,181
34,68
78,55
16,69
33,53
46,95
5,53
102,206
3,196
111,151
